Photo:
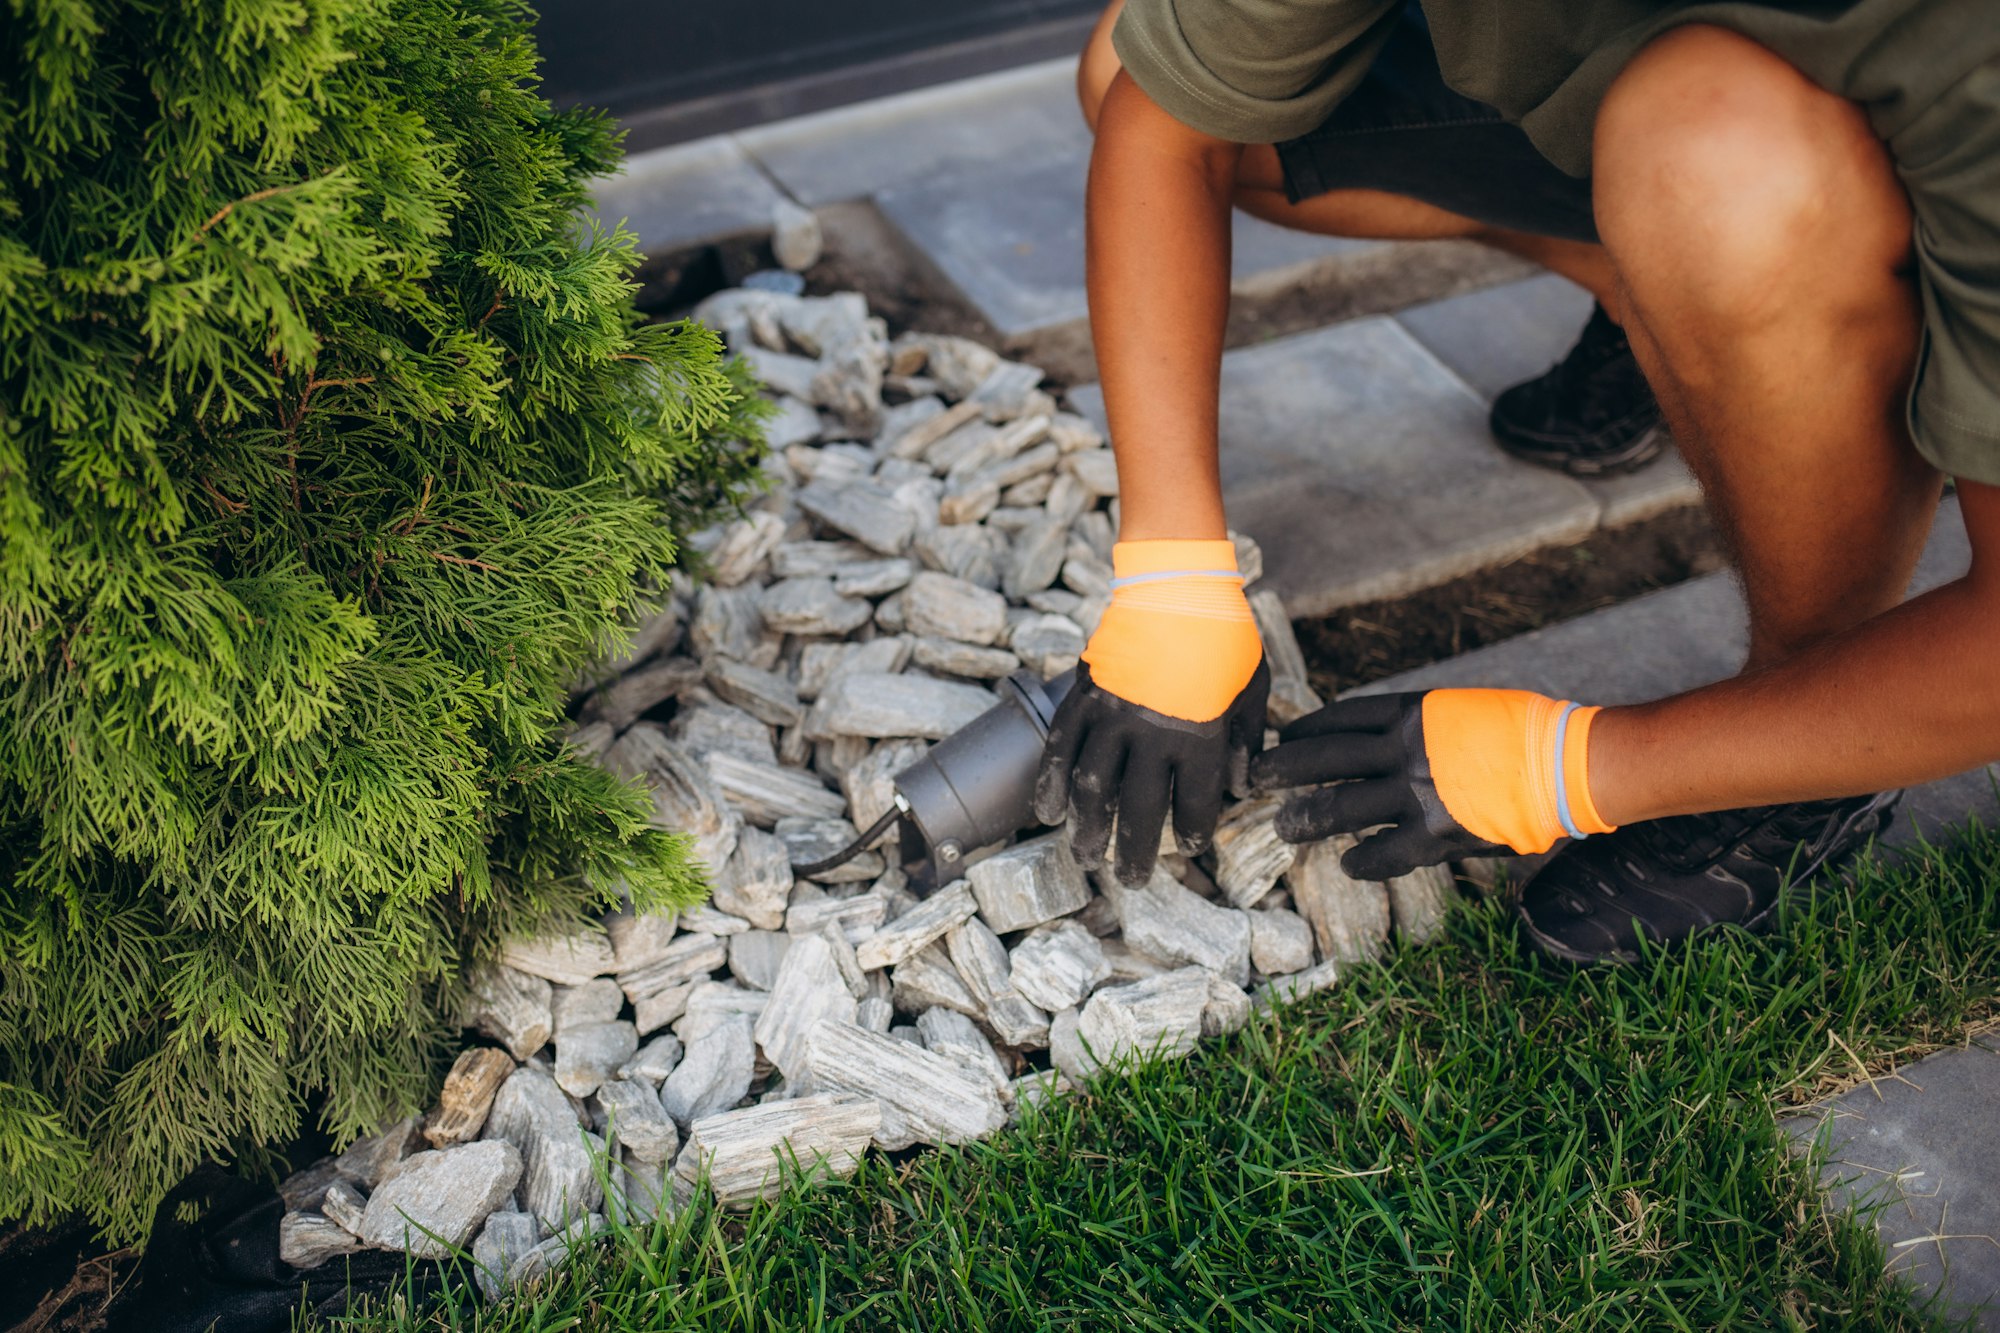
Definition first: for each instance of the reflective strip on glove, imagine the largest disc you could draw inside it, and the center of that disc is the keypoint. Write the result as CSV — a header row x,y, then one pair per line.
x,y
1511,766
1178,636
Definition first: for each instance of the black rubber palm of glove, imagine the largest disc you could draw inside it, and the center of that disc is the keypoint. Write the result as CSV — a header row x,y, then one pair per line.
x,y
1372,748
1107,756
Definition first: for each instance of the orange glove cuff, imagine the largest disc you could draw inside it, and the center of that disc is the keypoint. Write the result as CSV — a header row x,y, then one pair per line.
x,y
1178,636
1513,767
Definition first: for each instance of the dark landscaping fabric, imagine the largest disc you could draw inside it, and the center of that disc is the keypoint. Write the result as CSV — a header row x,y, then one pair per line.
x,y
221,1272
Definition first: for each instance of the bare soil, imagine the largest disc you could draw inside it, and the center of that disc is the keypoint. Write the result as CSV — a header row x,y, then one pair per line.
x,y
1365,643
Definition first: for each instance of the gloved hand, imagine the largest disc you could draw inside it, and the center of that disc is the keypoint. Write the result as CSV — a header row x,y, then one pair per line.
x,y
1453,772
1168,706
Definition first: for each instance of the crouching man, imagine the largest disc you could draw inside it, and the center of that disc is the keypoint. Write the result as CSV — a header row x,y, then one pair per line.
x,y
1793,216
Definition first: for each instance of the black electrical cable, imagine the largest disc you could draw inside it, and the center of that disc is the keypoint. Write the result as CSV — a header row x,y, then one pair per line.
x,y
852,849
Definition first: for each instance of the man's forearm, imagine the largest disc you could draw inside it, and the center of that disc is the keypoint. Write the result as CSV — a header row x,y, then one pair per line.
x,y
1158,263
1907,697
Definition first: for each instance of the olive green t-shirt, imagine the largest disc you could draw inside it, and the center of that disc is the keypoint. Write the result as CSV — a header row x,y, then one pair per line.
x,y
1927,73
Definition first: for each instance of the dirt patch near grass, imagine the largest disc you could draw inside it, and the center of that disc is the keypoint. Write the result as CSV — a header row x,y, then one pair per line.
x,y
1360,644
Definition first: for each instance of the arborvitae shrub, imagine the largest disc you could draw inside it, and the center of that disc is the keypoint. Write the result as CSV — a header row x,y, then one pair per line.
x,y
330,448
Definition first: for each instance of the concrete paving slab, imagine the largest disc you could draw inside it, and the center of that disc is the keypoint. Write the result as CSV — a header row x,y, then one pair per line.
x,y
1010,237
1496,338
1687,636
1363,468
1917,1152
687,194
971,125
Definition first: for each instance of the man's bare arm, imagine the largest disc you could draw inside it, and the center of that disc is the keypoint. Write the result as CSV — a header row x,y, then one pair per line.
x,y
1158,263
1909,696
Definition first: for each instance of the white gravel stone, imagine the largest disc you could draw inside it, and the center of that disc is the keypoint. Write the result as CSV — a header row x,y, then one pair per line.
x,y
1058,965
570,960
873,578
871,784
1420,900
756,881
863,511
794,423
1029,883
811,606
727,622
925,1097
595,1001
373,1159
307,1240
622,702
747,1154
653,1061
345,1206
635,1119
748,542
713,1076
927,979
592,1053
810,840
716,1002
808,558
690,958
964,659
501,1243
920,926
810,990
638,939
467,1096
796,241
1350,918
1298,985
982,965
702,728
953,608
765,695
704,919
754,957
951,1034
1228,1007
876,1013
513,1008
975,554
558,1179
1280,942
657,1010
881,706
1292,696
1250,857
1156,1018
1047,644
1095,468
766,793
685,798
1170,922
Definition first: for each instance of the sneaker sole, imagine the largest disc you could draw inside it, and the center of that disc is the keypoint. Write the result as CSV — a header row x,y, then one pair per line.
x,y
1881,811
1643,449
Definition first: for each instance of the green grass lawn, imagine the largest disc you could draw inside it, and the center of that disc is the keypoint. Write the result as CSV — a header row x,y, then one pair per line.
x,y
1464,1137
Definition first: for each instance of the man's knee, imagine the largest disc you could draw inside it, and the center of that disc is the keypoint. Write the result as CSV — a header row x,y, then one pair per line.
x,y
1738,183
1098,65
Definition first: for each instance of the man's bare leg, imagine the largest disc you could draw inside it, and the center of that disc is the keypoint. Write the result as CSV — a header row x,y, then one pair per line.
x,y
1760,238
1365,214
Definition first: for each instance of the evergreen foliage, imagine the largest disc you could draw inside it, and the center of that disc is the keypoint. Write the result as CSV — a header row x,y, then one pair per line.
x,y
331,448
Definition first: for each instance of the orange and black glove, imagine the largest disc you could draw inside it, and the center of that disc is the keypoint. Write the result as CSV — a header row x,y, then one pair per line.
x,y
1167,709
1453,773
